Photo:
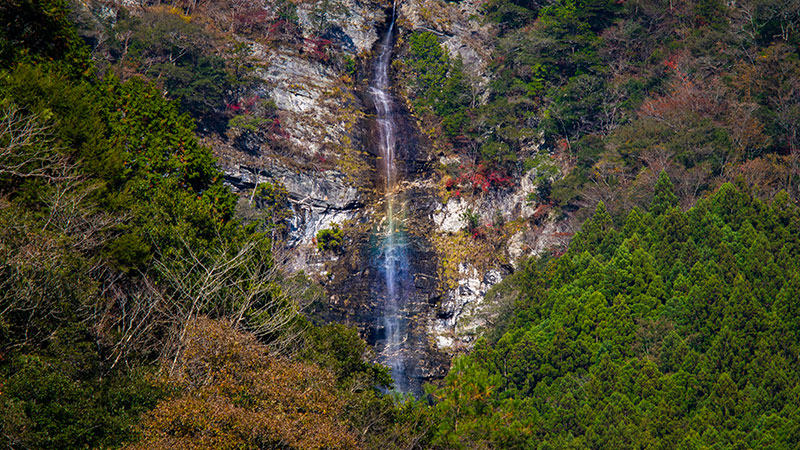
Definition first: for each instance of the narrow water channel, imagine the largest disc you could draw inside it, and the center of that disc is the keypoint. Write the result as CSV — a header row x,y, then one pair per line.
x,y
393,252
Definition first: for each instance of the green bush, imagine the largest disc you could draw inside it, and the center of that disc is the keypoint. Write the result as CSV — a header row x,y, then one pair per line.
x,y
471,219
273,200
440,85
330,239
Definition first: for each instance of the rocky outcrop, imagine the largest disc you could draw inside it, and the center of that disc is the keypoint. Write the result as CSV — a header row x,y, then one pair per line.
x,y
317,146
521,229
353,25
318,200
462,311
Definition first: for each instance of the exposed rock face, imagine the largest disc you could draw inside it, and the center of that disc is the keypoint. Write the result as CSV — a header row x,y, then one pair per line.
x,y
304,92
463,311
318,200
319,152
460,315
355,24
507,204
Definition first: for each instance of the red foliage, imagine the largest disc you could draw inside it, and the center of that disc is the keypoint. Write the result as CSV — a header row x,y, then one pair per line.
x,y
318,47
479,177
276,128
685,95
671,63
244,105
276,26
282,29
251,17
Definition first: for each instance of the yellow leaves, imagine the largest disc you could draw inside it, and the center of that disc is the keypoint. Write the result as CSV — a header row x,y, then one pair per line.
x,y
460,248
178,12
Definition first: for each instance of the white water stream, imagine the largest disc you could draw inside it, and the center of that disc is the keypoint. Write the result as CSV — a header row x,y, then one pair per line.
x,y
393,248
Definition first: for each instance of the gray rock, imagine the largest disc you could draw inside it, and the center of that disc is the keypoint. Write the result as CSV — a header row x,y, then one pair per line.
x,y
355,23
317,199
462,312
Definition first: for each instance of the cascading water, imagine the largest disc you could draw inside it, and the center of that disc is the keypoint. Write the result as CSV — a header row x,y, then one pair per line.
x,y
393,254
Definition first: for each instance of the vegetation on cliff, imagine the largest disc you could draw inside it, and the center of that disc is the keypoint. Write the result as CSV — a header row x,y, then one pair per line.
x,y
616,92
137,310
674,330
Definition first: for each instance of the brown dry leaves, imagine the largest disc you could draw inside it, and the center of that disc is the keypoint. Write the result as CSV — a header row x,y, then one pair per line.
x,y
233,395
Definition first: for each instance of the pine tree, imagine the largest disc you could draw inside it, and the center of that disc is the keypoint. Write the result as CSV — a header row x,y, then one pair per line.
x,y
664,196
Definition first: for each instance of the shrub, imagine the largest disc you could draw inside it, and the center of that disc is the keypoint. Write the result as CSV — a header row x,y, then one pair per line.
x,y
472,220
330,238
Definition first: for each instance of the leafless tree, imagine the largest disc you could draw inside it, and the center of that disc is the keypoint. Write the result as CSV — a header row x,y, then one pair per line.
x,y
26,146
240,284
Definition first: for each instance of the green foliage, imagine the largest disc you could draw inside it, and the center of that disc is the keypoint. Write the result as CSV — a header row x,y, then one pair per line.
x,y
440,85
497,152
349,65
286,10
330,239
108,175
340,348
47,404
544,173
246,122
181,55
664,197
511,14
471,219
638,83
273,200
40,31
670,330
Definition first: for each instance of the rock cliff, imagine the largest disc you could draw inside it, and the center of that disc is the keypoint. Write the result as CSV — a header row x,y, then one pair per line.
x,y
328,170
309,127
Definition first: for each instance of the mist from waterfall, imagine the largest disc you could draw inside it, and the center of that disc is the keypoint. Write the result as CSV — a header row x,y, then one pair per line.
x,y
393,245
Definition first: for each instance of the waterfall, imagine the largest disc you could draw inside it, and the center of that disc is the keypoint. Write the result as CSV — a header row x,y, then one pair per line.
x,y
393,246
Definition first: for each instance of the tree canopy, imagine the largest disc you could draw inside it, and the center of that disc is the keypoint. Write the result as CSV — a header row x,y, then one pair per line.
x,y
676,330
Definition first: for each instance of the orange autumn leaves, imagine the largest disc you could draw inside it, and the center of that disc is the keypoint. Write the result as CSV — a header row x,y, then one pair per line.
x,y
233,394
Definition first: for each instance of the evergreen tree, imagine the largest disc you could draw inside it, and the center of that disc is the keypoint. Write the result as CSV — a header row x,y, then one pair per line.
x,y
664,196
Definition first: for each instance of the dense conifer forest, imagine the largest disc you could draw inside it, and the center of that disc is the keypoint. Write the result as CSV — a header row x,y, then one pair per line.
x,y
139,310
674,330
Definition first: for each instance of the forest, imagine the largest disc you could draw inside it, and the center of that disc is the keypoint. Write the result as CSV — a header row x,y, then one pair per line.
x,y
618,91
139,308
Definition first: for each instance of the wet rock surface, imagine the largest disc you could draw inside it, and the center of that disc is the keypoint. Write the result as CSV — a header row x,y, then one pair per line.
x,y
329,165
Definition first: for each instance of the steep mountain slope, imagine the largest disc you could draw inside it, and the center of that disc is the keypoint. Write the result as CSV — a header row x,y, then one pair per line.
x,y
194,192
676,330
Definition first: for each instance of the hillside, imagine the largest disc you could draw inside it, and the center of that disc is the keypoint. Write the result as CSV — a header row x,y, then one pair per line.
x,y
415,225
675,330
